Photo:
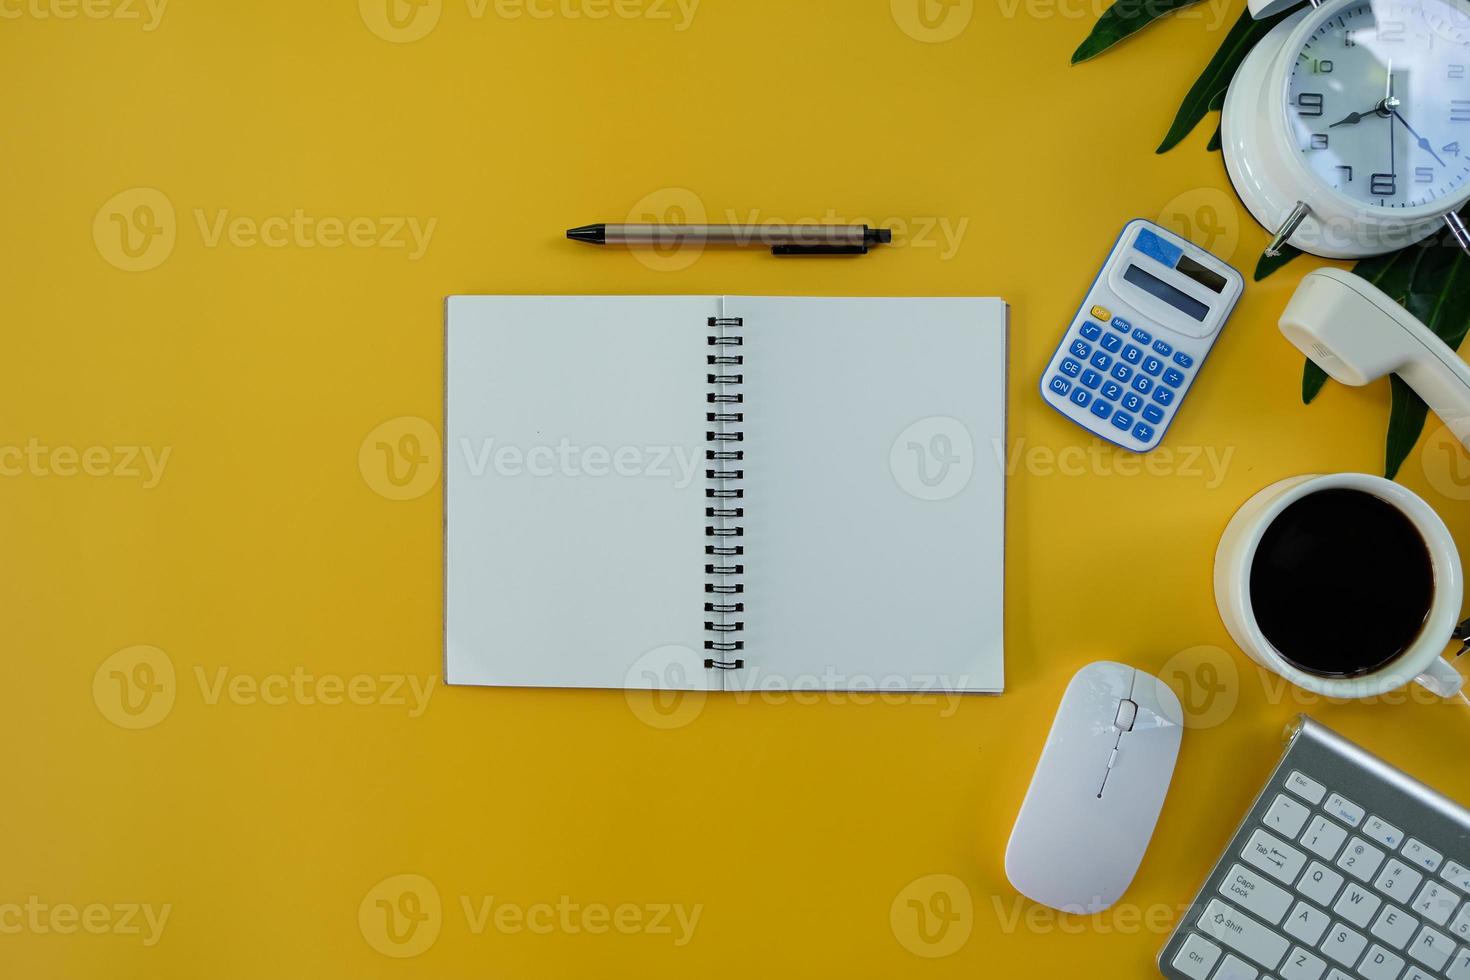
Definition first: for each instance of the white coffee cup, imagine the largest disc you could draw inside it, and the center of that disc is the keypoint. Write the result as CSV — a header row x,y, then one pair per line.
x,y
1421,662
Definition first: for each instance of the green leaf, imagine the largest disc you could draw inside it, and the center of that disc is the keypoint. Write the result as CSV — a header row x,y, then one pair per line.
x,y
1210,89
1313,378
1405,422
1270,263
1124,19
1213,146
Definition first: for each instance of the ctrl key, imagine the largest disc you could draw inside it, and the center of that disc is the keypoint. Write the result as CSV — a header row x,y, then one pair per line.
x,y
1196,957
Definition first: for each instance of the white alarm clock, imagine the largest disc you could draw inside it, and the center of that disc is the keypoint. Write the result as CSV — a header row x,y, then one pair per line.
x,y
1347,128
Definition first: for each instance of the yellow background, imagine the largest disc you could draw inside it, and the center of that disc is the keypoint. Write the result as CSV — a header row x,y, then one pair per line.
x,y
796,828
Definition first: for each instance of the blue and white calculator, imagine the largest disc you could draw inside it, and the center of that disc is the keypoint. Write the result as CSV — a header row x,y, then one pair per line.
x,y
1133,349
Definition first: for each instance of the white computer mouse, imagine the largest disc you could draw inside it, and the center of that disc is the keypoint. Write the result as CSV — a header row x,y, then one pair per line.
x,y
1098,789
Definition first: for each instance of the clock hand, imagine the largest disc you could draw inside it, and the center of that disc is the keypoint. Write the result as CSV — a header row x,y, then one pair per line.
x,y
1424,144
1353,118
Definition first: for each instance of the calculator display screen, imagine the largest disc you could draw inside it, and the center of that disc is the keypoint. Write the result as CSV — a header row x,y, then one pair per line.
x,y
1208,278
1177,298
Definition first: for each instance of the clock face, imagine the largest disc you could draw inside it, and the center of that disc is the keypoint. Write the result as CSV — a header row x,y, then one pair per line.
x,y
1378,99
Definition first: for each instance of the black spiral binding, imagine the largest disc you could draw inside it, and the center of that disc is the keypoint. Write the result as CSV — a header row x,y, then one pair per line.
x,y
724,456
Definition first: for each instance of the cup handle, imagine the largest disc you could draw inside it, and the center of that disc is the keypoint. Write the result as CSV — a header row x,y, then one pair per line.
x,y
1442,679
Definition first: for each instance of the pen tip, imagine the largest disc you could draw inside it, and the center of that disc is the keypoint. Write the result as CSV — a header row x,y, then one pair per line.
x,y
593,234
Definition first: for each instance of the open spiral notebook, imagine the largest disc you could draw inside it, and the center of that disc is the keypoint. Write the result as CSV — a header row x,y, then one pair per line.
x,y
725,493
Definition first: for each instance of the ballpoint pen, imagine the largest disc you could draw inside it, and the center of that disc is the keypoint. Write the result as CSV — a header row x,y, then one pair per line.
x,y
802,239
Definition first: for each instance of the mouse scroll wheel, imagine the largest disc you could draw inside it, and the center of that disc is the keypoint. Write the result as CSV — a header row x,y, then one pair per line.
x,y
1127,715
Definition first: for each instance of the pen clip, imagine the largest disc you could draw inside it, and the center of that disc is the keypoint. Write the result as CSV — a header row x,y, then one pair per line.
x,y
819,250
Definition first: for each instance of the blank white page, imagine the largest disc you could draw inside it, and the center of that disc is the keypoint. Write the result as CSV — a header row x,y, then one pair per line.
x,y
574,491
875,493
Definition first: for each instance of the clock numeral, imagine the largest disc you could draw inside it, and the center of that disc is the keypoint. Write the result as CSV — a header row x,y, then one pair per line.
x,y
1320,141
1453,149
1391,31
1460,110
1457,72
1323,67
1424,175
1347,172
1311,103
1348,41
1385,185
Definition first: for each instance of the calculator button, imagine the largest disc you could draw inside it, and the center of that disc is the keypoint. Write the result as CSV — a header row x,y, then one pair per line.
x,y
1320,884
1183,360
1131,354
1111,342
1102,313
1122,371
1394,926
1384,832
1420,853
1304,786
1070,367
1142,384
1090,331
1163,395
1435,902
1060,385
1432,948
1274,856
1380,964
1143,432
1122,421
1162,349
1153,413
1102,409
1112,390
1344,809
1286,816
1153,366
1121,325
1101,361
1080,397
1361,859
1132,402
1197,957
1398,880
1358,905
1324,838
1080,348
1173,378
1091,379
1344,945
1307,923
1143,336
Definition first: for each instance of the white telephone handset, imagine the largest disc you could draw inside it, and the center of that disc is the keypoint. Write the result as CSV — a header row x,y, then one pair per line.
x,y
1357,334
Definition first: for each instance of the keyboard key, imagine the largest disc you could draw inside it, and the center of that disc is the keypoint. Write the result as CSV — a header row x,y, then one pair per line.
x,y
1344,809
1112,390
1123,421
1324,838
1436,903
1240,932
1081,397
1132,402
1121,324
1235,968
1432,948
1361,859
1060,385
1344,945
1256,895
1111,343
1162,349
1398,879
1459,969
1394,926
1090,331
1307,923
1151,413
1142,384
1302,965
1163,396
1458,875
1185,361
1122,371
1357,905
1196,957
1101,361
1152,366
1460,928
1143,432
1131,354
1320,884
1080,348
1420,853
1274,856
1384,832
1380,964
1143,336
1173,378
1415,973
1286,816
1304,786
1102,409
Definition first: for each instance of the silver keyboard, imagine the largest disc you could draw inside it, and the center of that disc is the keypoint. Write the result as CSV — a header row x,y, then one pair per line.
x,y
1345,868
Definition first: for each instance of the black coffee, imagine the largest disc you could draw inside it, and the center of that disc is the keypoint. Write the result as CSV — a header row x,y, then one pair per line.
x,y
1341,583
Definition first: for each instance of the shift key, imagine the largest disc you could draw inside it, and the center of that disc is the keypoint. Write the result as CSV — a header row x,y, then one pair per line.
x,y
1274,856
1243,934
